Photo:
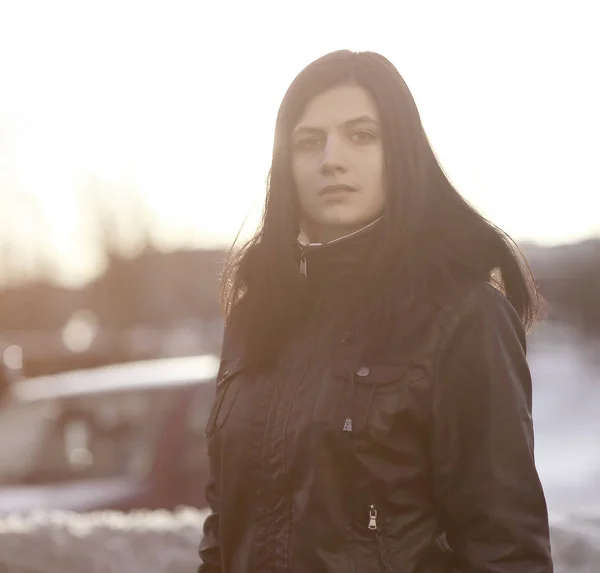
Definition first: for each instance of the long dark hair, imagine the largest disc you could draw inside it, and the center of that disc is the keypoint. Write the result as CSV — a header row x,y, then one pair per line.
x,y
431,233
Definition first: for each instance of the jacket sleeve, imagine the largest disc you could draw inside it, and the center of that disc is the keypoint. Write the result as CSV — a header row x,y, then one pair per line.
x,y
485,480
210,545
210,549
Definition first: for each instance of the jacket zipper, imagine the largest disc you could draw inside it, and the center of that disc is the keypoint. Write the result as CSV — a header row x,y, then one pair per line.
x,y
302,263
381,547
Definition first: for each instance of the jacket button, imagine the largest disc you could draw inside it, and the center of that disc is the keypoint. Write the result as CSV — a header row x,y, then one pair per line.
x,y
363,371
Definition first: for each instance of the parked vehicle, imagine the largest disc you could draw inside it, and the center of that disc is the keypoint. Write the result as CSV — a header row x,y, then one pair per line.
x,y
121,437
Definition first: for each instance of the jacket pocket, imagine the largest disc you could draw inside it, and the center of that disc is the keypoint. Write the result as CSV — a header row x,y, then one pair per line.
x,y
370,397
226,394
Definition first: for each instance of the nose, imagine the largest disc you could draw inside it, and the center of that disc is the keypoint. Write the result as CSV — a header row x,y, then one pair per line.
x,y
332,159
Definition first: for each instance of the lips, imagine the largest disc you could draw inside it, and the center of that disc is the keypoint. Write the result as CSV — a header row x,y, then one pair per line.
x,y
336,189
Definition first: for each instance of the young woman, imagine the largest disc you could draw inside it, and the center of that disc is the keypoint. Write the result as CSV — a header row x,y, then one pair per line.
x,y
373,407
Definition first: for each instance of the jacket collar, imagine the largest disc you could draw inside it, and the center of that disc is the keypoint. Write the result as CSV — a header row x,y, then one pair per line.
x,y
335,266
305,242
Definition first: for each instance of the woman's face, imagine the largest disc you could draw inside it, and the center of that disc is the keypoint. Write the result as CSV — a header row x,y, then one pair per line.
x,y
338,163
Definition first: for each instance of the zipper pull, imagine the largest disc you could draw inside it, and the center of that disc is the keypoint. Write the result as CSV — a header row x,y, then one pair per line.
x,y
303,265
372,518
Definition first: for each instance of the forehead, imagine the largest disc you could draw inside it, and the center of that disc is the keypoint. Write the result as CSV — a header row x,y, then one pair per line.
x,y
337,105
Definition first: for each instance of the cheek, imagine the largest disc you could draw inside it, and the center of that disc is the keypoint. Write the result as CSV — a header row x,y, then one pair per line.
x,y
373,173
303,179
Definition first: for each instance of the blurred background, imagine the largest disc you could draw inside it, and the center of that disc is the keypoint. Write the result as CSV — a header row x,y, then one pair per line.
x,y
135,140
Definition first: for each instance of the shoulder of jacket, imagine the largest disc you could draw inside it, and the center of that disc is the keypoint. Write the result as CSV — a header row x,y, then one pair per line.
x,y
475,299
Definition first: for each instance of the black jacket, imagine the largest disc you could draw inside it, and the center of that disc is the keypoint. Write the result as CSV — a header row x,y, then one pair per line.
x,y
420,460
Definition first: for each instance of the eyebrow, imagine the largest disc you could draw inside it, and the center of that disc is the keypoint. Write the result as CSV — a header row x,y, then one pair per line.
x,y
348,123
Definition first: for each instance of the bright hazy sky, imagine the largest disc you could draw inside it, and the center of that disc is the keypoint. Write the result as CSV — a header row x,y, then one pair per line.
x,y
180,98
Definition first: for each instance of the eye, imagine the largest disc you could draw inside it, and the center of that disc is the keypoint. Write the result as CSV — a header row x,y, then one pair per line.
x,y
307,143
363,136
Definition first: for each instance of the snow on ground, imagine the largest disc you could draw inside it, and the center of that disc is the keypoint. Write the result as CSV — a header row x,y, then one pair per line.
x,y
101,542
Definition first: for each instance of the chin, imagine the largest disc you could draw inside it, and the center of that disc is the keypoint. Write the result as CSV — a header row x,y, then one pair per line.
x,y
344,218
336,225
